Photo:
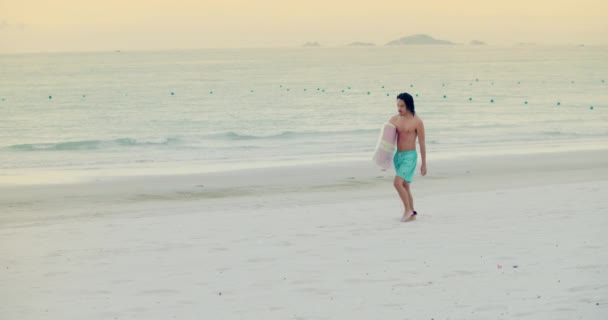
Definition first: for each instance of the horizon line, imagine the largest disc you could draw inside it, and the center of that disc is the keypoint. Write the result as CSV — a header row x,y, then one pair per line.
x,y
303,46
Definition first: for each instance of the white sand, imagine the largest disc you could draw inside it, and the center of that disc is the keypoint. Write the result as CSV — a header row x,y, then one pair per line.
x,y
315,242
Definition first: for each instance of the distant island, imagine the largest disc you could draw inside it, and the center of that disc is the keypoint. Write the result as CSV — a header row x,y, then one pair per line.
x,y
361,44
417,39
311,44
477,43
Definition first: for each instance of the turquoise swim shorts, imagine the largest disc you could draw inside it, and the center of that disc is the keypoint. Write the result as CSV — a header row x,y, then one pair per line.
x,y
405,164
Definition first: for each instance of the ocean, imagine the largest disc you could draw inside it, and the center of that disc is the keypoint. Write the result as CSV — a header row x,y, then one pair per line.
x,y
74,115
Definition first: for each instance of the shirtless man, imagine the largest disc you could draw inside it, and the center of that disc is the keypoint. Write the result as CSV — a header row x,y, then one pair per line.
x,y
409,127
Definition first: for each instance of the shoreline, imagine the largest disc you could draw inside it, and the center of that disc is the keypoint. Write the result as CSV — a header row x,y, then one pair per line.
x,y
88,174
319,182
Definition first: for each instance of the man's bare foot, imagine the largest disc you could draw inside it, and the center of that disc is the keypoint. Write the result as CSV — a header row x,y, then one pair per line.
x,y
408,216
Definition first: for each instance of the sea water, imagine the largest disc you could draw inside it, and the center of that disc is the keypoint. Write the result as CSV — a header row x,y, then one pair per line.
x,y
123,113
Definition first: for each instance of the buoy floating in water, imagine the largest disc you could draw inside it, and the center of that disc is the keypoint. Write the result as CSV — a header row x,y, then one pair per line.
x,y
476,80
491,100
348,88
559,103
50,97
444,96
368,92
470,99
416,94
387,94
590,107
411,85
172,93
525,102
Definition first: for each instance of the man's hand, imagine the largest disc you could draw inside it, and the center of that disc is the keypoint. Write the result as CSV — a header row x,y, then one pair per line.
x,y
423,169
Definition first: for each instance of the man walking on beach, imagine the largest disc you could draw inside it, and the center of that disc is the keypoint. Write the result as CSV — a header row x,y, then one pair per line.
x,y
409,127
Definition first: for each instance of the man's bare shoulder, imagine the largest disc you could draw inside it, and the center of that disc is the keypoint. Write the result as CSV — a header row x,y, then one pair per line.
x,y
418,119
394,119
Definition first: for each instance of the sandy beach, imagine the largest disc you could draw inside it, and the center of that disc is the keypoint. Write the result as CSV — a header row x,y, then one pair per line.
x,y
498,237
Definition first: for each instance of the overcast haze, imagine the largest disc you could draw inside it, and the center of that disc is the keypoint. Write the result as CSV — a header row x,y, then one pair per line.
x,y
80,25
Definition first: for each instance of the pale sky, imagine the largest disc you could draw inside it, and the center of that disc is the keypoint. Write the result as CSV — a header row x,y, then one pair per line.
x,y
86,25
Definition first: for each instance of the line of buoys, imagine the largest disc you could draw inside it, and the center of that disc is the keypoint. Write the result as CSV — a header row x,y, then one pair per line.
x,y
558,103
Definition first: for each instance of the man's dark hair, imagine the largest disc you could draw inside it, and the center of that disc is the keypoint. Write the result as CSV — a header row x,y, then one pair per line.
x,y
409,101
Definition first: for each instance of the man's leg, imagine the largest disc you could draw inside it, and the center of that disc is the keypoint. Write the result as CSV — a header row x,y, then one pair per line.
x,y
406,185
405,197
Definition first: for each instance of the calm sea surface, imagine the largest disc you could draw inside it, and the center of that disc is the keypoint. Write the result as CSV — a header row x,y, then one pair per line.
x,y
205,110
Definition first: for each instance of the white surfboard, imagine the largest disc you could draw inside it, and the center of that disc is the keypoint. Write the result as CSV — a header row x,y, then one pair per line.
x,y
386,146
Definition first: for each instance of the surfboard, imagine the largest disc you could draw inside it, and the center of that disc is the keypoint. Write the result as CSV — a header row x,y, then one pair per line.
x,y
386,146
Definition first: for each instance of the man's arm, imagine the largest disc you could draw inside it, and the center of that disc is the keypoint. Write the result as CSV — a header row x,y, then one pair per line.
x,y
422,143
